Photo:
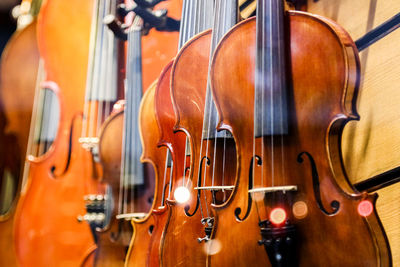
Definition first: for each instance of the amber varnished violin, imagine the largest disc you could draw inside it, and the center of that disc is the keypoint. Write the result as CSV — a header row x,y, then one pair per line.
x,y
294,89
59,179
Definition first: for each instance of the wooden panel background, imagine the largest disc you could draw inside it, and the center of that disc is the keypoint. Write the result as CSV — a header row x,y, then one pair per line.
x,y
372,145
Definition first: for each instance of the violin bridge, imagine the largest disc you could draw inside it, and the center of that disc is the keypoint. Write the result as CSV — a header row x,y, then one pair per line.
x,y
89,142
215,188
274,189
130,216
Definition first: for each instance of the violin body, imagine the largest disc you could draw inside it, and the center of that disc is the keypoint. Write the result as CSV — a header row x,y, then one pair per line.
x,y
156,48
115,239
180,245
17,94
144,228
321,100
58,180
175,142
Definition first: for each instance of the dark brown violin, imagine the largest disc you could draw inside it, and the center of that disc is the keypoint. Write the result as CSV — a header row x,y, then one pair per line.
x,y
16,95
294,89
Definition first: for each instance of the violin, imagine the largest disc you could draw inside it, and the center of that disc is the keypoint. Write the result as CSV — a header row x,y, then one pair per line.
x,y
176,144
59,179
286,108
160,160
16,93
131,183
190,223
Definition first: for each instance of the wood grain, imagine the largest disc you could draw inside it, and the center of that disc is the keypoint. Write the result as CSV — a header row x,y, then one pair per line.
x,y
372,145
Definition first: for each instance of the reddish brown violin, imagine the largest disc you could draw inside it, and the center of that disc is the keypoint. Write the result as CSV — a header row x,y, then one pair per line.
x,y
295,85
212,154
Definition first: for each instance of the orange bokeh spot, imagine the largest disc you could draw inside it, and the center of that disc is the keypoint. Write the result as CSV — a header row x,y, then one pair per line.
x,y
277,216
300,209
365,208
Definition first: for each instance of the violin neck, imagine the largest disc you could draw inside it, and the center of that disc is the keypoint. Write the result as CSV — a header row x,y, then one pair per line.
x,y
101,83
225,17
270,109
196,17
132,169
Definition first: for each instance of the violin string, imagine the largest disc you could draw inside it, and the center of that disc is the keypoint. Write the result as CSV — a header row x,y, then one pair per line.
x,y
186,14
31,148
215,34
122,182
271,90
34,138
282,76
261,87
223,171
97,65
225,139
104,70
136,91
170,176
127,124
112,79
183,23
42,121
132,107
111,93
201,25
196,19
48,123
92,55
225,136
134,162
182,40
165,178
99,91
107,73
211,132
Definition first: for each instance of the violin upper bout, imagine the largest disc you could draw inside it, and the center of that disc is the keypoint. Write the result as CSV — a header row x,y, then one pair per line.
x,y
189,80
338,49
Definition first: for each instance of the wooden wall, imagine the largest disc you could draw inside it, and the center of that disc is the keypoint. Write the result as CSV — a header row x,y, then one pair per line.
x,y
372,145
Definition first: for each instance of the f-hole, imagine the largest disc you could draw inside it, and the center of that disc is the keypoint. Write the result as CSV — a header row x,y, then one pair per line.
x,y
166,186
187,207
53,168
335,205
238,210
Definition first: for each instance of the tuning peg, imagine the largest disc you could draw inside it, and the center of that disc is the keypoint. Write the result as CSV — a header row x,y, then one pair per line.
x,y
157,19
123,10
115,26
147,3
